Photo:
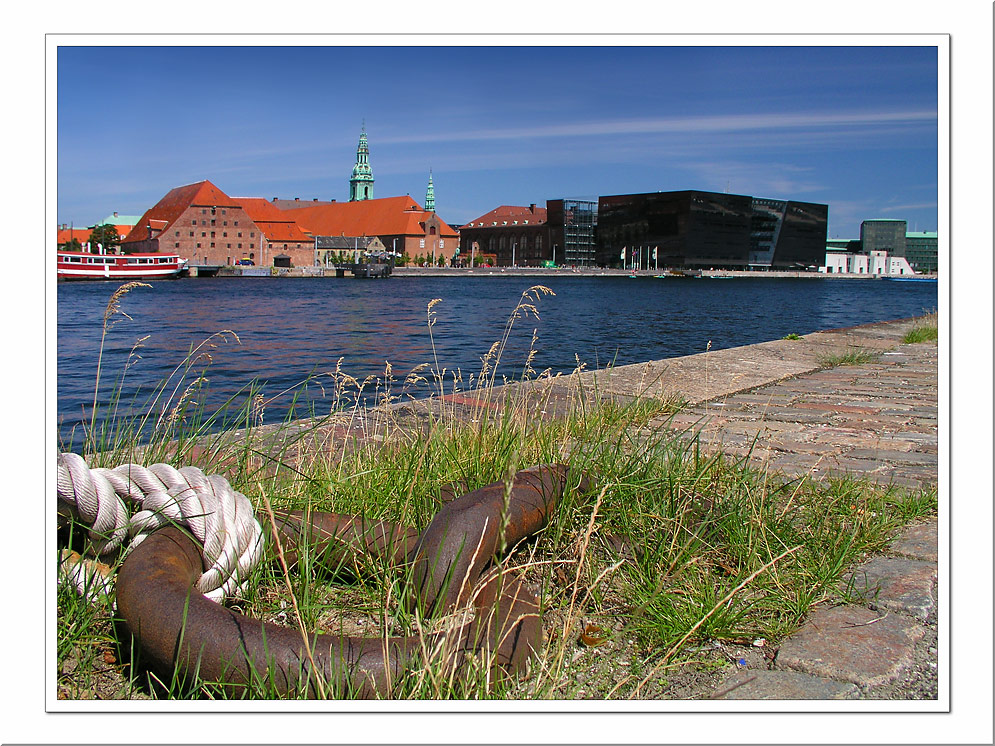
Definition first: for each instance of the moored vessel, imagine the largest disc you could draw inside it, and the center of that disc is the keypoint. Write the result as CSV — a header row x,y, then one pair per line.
x,y
82,265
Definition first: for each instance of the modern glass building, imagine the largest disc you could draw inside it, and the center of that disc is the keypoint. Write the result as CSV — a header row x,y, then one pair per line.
x,y
922,251
883,235
572,224
713,230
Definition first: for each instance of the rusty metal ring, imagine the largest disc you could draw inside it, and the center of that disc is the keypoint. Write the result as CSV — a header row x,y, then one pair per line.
x,y
183,634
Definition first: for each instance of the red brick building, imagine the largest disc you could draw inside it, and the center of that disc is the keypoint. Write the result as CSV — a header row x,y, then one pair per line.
x,y
204,225
399,222
515,235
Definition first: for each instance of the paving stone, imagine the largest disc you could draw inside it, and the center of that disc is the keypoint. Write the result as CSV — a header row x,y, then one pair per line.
x,y
851,643
919,541
783,685
896,584
891,456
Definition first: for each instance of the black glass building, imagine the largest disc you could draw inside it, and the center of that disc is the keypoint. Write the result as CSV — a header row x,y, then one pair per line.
x,y
695,229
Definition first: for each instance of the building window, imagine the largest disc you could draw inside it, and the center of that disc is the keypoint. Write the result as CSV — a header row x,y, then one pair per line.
x,y
193,222
203,234
239,233
191,234
198,244
421,243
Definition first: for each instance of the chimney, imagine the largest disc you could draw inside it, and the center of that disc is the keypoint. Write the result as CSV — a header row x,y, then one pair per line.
x,y
274,199
297,199
532,208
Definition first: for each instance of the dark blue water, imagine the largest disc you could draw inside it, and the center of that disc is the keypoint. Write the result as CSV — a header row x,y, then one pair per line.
x,y
291,329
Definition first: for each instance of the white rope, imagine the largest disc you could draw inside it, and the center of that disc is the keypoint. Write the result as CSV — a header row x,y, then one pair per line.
x,y
220,518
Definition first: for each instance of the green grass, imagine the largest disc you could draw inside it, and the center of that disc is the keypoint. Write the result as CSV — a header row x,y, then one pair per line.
x,y
925,329
673,552
850,356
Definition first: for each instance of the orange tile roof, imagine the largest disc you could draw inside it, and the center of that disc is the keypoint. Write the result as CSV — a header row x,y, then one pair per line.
x,y
66,235
508,214
275,223
170,207
389,216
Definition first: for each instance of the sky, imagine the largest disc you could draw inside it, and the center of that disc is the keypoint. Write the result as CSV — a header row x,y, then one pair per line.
x,y
854,127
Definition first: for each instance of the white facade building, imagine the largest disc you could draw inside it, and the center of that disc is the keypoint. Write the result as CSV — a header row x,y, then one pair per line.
x,y
876,263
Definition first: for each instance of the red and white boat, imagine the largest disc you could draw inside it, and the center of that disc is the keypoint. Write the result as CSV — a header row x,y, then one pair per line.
x,y
81,265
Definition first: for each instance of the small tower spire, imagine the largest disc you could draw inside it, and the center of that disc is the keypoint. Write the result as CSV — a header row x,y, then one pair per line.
x,y
430,194
361,183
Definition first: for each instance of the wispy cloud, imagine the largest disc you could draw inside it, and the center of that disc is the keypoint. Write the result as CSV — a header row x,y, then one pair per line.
x,y
905,208
712,124
770,179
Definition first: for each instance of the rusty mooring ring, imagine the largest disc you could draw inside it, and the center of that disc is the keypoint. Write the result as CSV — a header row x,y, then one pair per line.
x,y
181,633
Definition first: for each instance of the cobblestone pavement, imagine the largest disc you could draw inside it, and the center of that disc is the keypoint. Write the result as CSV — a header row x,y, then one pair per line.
x,y
877,420
784,406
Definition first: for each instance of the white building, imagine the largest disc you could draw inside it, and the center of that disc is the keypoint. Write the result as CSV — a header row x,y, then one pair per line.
x,y
875,263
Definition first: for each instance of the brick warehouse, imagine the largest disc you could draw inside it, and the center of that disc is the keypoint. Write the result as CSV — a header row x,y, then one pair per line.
x,y
398,222
203,224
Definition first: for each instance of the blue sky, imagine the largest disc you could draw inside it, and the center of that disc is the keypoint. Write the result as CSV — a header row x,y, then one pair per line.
x,y
852,127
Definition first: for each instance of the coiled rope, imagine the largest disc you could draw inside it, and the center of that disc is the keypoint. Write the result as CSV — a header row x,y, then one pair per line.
x,y
130,501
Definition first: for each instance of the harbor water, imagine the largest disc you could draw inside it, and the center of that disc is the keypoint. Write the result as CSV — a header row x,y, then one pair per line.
x,y
283,340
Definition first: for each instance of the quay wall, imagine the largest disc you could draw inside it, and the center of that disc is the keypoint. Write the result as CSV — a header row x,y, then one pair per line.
x,y
299,272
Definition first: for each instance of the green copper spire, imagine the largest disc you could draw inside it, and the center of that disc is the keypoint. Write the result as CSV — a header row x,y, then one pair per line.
x,y
361,183
430,194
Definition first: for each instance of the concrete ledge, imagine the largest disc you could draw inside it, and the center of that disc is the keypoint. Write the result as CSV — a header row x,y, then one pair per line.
x,y
851,643
783,685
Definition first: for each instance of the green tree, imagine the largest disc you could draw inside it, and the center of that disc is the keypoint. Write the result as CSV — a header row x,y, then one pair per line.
x,y
106,235
72,245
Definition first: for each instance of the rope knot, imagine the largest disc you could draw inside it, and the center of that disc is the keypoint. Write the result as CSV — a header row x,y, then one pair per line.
x,y
219,517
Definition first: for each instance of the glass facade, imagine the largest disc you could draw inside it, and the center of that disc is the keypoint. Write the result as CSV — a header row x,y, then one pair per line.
x,y
802,239
572,224
883,235
922,251
713,230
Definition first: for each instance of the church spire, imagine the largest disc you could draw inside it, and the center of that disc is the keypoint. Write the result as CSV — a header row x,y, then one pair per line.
x,y
361,183
430,194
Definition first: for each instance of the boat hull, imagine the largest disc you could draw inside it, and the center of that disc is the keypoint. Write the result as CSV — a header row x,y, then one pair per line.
x,y
83,266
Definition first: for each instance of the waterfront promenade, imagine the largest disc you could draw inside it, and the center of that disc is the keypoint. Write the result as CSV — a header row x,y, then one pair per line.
x,y
785,407
411,272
